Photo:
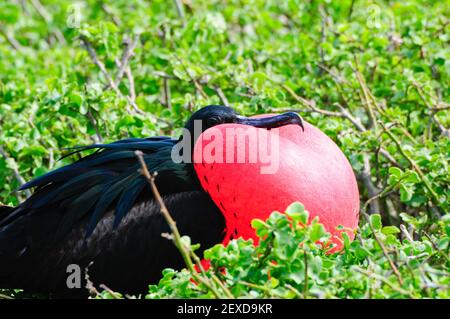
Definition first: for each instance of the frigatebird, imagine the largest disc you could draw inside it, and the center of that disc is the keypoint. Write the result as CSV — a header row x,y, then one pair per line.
x,y
99,211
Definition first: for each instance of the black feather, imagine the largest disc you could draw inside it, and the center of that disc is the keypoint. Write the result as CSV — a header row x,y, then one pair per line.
x,y
97,182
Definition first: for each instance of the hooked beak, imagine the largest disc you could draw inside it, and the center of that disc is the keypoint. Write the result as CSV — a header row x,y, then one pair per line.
x,y
272,121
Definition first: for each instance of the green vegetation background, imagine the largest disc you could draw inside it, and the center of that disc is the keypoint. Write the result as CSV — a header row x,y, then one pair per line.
x,y
373,75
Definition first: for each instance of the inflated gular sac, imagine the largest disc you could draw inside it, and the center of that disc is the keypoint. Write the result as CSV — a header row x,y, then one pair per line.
x,y
305,166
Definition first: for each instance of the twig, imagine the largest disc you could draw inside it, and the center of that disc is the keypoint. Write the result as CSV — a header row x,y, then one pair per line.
x,y
383,249
51,160
40,9
437,248
89,284
309,104
12,40
350,11
434,110
295,291
128,52
99,63
322,33
388,190
406,233
176,237
108,78
384,280
372,190
16,172
222,96
109,12
344,114
197,85
95,124
2,296
166,88
180,10
336,77
131,83
267,290
305,288
131,88
111,292
367,99
413,164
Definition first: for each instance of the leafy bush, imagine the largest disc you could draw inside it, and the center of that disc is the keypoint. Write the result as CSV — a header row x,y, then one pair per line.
x,y
373,75
291,262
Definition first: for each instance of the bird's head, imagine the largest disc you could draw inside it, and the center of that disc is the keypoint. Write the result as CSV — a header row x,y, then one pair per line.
x,y
249,171
213,115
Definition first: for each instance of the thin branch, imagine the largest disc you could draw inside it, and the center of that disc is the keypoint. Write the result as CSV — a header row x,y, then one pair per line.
x,y
16,172
197,85
180,11
372,190
131,89
114,294
413,164
323,29
95,124
89,284
387,191
108,78
336,77
444,131
222,96
175,236
99,63
309,104
167,96
11,40
131,83
384,250
344,114
2,296
367,99
110,13
385,281
305,288
350,11
128,52
43,13
442,253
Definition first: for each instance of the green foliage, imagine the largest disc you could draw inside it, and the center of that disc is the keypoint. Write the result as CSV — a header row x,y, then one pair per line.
x,y
292,262
373,75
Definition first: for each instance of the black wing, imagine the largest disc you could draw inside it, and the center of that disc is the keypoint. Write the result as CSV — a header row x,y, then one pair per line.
x,y
107,179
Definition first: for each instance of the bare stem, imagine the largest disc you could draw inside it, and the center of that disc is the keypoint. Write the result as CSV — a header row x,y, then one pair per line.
x,y
175,237
108,78
413,164
384,250
385,281
16,172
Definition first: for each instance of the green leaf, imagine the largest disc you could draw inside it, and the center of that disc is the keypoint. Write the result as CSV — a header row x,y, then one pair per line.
x,y
406,193
375,220
390,230
317,232
297,212
396,172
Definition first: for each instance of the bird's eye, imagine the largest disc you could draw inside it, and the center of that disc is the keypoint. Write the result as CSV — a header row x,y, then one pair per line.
x,y
212,121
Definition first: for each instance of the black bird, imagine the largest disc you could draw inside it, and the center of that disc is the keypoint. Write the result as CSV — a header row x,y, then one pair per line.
x,y
100,209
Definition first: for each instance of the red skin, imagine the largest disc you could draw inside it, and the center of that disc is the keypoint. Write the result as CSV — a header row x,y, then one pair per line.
x,y
312,170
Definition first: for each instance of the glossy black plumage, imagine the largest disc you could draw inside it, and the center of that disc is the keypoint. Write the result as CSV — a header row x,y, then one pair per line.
x,y
101,210
126,259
